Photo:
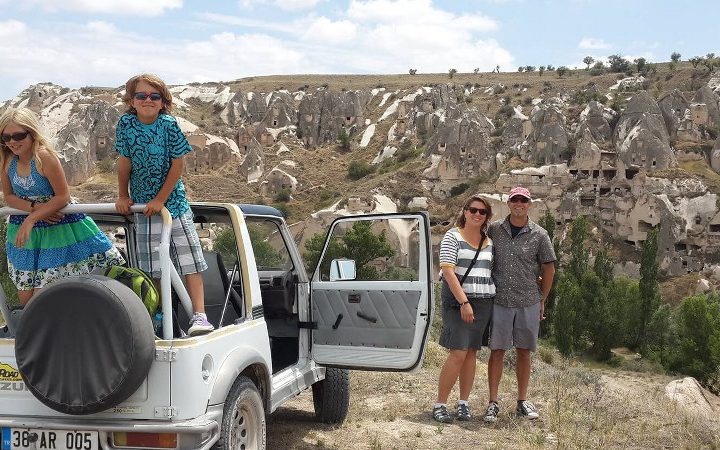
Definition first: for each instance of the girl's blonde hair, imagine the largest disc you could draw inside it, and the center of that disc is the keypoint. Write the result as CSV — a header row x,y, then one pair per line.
x,y
154,81
28,121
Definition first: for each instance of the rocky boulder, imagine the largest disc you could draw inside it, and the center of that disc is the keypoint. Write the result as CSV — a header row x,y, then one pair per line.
x,y
210,153
252,164
280,114
715,156
323,114
517,128
711,100
640,137
548,141
461,141
278,180
234,112
88,137
693,399
587,153
256,107
674,109
596,119
438,97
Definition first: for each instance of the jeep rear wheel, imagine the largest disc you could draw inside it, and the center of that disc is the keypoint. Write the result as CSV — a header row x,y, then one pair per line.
x,y
243,423
84,344
331,396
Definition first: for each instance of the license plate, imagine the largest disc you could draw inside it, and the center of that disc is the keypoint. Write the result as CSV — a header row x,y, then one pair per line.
x,y
23,438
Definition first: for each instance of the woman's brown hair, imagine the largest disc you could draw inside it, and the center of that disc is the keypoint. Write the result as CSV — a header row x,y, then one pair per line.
x,y
460,220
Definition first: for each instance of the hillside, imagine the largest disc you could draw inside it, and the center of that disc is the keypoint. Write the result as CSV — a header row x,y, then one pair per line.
x,y
630,152
580,407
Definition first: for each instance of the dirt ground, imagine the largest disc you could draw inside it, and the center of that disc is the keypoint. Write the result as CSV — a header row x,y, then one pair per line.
x,y
580,407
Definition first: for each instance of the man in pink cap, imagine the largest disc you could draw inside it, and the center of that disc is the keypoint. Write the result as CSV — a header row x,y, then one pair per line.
x,y
523,252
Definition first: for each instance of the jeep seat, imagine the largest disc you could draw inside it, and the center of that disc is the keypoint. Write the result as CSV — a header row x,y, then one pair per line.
x,y
216,285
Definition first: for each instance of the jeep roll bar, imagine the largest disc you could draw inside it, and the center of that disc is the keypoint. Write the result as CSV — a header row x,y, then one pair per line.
x,y
168,276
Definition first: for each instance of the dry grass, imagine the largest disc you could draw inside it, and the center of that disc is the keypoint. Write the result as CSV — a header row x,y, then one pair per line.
x,y
580,408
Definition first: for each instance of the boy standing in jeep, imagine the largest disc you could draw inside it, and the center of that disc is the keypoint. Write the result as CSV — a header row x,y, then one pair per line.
x,y
151,147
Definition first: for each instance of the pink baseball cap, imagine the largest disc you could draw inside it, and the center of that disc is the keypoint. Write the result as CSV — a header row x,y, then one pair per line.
x,y
521,191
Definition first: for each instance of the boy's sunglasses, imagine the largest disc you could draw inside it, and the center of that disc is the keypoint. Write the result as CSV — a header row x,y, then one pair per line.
x,y
519,198
474,210
15,136
154,96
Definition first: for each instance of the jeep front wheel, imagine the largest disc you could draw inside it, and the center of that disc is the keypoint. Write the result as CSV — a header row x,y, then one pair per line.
x,y
243,423
331,396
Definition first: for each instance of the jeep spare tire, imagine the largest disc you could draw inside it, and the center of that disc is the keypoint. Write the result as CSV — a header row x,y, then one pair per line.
x,y
84,344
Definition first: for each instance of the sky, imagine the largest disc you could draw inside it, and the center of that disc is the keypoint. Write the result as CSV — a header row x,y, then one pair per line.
x,y
75,43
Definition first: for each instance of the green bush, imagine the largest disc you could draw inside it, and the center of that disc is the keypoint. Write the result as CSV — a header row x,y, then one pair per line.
x,y
359,169
344,139
283,195
458,189
696,330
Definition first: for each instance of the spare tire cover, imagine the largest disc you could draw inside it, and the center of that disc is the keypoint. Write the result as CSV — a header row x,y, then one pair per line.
x,y
84,344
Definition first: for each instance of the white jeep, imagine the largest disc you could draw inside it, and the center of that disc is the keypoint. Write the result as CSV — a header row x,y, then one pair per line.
x,y
81,366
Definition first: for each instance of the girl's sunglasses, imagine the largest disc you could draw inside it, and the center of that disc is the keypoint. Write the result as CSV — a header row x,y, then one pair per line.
x,y
15,137
474,210
154,96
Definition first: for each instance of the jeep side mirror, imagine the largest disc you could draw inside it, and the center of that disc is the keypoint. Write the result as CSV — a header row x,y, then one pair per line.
x,y
342,270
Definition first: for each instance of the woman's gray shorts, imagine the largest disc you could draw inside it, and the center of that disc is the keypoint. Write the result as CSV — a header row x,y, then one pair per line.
x,y
458,335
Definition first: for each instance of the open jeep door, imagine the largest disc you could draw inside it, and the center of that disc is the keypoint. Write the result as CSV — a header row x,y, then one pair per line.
x,y
371,293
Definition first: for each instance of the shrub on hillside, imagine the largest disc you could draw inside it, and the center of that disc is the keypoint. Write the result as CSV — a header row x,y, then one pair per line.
x,y
283,195
359,169
458,189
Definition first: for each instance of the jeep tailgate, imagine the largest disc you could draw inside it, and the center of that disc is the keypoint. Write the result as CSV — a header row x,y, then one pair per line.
x,y
150,401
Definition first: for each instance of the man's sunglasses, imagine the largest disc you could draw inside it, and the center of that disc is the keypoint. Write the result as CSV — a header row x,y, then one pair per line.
x,y
474,210
519,198
15,136
154,96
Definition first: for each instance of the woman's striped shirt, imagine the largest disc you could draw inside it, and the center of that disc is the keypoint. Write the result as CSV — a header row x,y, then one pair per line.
x,y
455,252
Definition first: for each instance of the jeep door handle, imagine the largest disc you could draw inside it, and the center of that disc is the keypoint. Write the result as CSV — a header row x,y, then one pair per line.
x,y
362,315
337,322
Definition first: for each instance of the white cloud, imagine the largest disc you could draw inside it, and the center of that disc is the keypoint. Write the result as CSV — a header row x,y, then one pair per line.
x,y
593,44
101,27
420,13
249,23
128,7
324,30
363,39
286,5
91,55
10,28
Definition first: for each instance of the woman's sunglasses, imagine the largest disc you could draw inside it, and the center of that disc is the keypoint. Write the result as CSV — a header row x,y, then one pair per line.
x,y
15,136
474,210
154,96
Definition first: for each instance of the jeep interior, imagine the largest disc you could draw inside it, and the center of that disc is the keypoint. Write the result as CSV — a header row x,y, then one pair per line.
x,y
223,284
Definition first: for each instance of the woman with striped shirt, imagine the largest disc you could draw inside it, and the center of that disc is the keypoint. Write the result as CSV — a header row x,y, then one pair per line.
x,y
467,306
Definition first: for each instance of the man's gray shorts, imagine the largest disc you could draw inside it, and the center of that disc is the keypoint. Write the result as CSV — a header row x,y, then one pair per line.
x,y
515,327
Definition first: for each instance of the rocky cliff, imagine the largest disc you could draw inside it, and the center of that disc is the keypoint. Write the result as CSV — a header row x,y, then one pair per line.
x,y
623,165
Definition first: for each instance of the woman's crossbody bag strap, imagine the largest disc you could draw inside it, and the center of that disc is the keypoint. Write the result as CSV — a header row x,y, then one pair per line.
x,y
467,272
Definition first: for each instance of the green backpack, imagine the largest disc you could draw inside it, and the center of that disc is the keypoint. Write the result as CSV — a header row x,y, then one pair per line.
x,y
140,282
